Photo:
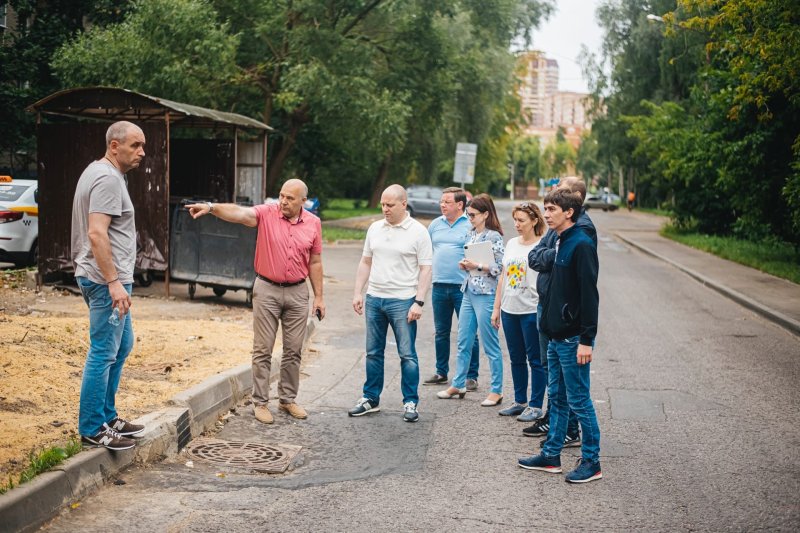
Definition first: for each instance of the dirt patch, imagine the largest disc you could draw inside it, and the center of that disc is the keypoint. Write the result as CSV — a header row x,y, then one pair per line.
x,y
43,342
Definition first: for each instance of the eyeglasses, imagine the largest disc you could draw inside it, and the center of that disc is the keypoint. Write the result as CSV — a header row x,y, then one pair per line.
x,y
472,215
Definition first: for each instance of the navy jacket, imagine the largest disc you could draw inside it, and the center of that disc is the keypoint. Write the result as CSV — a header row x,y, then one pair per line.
x,y
543,255
570,306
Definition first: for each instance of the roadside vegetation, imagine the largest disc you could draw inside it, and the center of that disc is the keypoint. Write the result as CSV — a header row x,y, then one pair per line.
x,y
769,255
42,461
338,208
332,234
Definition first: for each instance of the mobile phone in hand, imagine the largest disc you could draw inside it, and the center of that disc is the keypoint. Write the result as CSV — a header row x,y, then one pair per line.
x,y
318,312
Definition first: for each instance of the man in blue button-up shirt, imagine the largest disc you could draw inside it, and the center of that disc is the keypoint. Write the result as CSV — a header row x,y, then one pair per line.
x,y
448,235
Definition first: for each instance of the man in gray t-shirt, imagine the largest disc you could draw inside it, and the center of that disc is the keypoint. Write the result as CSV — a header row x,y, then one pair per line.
x,y
104,254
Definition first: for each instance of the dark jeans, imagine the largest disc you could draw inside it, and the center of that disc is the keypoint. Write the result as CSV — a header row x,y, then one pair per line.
x,y
522,339
446,299
544,341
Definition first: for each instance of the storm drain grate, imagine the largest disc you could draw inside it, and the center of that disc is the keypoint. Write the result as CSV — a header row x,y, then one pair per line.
x,y
263,458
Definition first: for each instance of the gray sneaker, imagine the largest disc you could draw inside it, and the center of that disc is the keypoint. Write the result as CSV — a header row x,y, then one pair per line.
x,y
472,384
530,414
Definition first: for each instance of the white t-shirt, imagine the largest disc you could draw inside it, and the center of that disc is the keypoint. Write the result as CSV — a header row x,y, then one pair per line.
x,y
397,252
519,280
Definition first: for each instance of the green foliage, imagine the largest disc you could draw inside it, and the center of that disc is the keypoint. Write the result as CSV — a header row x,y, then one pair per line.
x,y
333,234
168,48
339,208
703,111
769,255
42,461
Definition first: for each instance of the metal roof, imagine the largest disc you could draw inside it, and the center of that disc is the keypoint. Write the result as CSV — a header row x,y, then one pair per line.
x,y
112,104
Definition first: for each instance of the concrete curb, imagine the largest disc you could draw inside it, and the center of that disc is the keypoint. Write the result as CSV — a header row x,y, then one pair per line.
x,y
167,431
776,317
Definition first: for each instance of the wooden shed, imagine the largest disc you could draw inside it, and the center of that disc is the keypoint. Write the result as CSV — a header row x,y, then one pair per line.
x,y
191,152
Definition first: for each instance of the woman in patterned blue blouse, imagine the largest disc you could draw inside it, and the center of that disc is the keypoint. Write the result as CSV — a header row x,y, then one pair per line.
x,y
476,307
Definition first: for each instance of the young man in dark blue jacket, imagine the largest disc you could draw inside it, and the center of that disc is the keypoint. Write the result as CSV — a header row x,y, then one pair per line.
x,y
569,318
541,259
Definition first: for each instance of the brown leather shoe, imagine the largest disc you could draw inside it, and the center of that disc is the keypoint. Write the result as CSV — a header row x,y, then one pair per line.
x,y
262,414
294,410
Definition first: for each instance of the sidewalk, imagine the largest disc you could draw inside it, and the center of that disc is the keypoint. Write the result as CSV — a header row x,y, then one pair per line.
x,y
776,299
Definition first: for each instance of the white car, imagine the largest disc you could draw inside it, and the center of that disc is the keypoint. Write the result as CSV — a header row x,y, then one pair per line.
x,y
19,221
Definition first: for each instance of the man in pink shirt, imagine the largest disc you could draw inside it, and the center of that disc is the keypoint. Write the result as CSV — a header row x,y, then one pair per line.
x,y
288,250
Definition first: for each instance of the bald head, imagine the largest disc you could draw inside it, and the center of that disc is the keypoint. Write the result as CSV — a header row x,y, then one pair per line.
x,y
393,204
395,191
298,186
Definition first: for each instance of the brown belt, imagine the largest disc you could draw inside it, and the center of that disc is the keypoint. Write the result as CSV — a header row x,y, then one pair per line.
x,y
286,284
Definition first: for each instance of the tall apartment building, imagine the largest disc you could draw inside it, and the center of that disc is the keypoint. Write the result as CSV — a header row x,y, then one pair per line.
x,y
539,79
565,109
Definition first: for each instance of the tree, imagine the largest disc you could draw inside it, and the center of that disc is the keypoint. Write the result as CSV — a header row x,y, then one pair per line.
x,y
169,48
25,76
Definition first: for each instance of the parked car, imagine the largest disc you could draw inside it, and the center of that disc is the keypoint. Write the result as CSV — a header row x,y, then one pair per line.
x,y
603,201
19,221
423,200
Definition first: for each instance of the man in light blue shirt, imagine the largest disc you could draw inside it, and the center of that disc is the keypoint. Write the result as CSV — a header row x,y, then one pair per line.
x,y
448,235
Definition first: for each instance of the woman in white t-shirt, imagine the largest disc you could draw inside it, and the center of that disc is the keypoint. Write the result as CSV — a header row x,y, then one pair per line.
x,y
515,306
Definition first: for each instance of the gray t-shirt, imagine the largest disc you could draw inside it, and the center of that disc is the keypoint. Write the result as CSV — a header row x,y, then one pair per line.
x,y
102,189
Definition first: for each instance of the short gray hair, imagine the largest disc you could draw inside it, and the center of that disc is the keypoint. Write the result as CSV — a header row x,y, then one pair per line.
x,y
118,131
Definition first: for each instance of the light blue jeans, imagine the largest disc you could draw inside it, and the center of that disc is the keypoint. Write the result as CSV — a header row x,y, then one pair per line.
x,y
380,314
446,298
109,346
475,318
568,387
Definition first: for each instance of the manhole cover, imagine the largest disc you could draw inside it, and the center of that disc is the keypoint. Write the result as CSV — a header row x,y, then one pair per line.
x,y
266,458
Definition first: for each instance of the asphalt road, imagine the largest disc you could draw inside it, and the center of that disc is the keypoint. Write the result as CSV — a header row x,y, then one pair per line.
x,y
697,400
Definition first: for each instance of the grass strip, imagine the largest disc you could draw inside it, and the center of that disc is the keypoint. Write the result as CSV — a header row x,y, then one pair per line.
x,y
338,208
772,256
42,461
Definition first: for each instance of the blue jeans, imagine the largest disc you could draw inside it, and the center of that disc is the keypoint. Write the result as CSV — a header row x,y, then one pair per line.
x,y
380,314
568,387
544,341
522,339
109,346
476,316
446,299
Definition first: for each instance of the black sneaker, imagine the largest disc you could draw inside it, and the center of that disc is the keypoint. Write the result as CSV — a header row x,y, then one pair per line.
x,y
411,414
585,472
363,407
538,429
125,428
110,439
570,441
541,462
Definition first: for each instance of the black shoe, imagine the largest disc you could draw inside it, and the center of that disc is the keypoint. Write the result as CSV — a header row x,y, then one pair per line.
x,y
110,439
363,407
538,429
125,428
570,441
436,379
410,414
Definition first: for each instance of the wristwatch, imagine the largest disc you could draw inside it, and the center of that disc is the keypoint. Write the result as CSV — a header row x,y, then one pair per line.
x,y
210,207
419,302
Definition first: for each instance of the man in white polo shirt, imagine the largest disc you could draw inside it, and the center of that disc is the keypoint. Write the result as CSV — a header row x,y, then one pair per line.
x,y
397,262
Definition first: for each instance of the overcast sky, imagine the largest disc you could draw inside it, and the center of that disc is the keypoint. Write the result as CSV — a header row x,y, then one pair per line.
x,y
561,37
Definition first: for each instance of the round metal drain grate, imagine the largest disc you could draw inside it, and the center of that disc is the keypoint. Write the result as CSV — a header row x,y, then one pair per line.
x,y
268,458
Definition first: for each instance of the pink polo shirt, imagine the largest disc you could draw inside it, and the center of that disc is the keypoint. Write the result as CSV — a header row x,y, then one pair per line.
x,y
283,249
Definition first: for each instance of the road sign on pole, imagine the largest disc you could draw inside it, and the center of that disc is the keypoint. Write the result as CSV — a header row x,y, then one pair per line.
x,y
464,171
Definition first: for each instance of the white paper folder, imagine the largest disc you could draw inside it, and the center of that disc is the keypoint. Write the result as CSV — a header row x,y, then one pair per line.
x,y
479,252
